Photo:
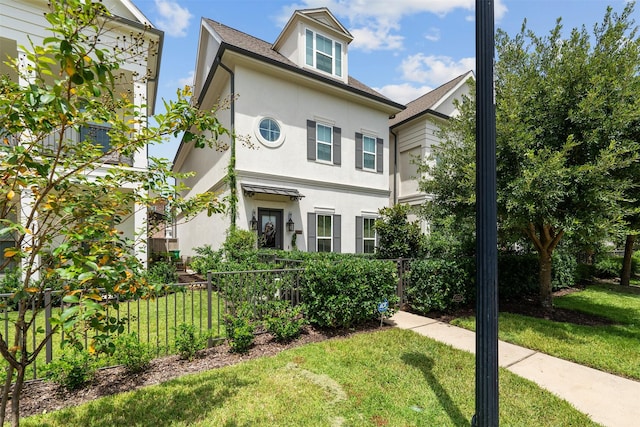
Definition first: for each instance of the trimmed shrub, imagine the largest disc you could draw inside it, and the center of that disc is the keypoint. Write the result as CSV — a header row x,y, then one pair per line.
x,y
133,354
162,273
72,370
240,332
517,275
206,260
188,341
608,267
438,284
284,321
347,293
565,272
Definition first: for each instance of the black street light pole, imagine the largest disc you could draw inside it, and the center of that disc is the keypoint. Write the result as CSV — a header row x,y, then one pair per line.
x,y
486,223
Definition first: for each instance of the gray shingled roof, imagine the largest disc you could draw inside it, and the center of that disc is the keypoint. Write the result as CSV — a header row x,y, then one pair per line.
x,y
425,102
255,46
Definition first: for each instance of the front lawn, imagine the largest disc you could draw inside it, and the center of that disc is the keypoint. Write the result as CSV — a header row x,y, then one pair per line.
x,y
611,348
391,377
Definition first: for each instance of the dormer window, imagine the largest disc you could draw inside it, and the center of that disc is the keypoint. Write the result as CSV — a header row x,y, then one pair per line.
x,y
323,53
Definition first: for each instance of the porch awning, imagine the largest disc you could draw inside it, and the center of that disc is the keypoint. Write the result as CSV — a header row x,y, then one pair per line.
x,y
251,190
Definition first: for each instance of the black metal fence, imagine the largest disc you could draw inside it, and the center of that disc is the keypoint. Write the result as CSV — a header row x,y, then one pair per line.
x,y
156,320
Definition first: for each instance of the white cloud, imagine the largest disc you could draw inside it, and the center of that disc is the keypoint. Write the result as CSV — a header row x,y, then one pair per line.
x,y
434,70
377,22
173,18
369,39
403,93
433,35
186,81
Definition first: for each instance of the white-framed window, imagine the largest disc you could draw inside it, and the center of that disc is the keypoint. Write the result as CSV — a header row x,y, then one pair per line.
x,y
324,142
368,152
324,234
323,53
368,235
269,131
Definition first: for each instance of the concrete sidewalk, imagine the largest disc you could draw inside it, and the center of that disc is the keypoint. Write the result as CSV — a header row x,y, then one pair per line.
x,y
608,399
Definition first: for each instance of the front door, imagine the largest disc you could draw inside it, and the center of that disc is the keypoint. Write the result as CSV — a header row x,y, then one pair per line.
x,y
270,228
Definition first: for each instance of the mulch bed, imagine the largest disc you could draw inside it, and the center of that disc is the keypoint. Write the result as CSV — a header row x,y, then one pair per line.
x,y
42,396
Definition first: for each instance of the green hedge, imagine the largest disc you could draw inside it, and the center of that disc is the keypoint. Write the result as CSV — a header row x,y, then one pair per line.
x,y
345,291
610,267
440,284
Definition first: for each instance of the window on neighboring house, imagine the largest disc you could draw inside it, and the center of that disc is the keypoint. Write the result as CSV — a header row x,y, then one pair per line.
x,y
323,53
323,142
365,235
323,232
7,241
369,153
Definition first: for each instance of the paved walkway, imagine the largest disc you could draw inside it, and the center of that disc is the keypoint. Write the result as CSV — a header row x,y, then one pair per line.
x,y
608,399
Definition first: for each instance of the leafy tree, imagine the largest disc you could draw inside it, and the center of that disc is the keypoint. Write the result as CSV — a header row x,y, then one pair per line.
x,y
397,237
59,202
562,108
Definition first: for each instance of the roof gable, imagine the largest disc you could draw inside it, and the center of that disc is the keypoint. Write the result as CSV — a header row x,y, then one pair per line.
x,y
430,101
247,45
322,18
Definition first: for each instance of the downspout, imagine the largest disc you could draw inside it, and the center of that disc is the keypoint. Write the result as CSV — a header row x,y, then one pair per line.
x,y
231,172
395,167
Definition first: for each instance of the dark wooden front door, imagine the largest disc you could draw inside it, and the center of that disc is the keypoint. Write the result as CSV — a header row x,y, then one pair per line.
x,y
270,228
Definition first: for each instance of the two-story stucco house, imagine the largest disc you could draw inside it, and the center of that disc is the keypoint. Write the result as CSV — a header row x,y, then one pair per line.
x,y
414,135
22,21
318,168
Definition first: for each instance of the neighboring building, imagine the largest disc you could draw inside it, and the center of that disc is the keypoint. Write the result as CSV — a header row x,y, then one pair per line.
x,y
318,171
24,20
414,133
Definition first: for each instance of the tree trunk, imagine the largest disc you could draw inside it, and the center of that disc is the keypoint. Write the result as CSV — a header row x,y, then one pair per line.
x,y
545,238
15,397
544,278
625,274
6,390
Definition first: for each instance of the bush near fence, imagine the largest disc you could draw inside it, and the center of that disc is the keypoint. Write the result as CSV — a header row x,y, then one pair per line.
x,y
346,292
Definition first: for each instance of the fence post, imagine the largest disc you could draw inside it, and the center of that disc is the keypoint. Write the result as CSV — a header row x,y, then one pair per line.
x,y
47,326
209,309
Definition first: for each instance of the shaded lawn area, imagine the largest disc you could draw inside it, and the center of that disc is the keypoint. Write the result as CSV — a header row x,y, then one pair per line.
x,y
610,348
391,377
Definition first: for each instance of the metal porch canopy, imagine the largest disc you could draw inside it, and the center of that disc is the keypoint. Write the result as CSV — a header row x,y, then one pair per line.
x,y
251,190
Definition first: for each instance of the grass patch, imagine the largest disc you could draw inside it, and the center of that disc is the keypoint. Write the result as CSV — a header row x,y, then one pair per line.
x,y
392,377
154,321
611,348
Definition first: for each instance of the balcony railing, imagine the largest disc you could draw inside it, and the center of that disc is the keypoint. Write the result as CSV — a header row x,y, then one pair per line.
x,y
98,134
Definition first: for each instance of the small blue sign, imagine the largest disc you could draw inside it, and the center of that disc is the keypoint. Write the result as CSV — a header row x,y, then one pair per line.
x,y
383,306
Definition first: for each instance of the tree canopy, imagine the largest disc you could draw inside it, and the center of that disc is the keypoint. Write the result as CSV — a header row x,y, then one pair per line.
x,y
564,110
66,194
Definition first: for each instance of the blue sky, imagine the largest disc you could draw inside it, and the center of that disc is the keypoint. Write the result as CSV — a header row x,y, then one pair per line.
x,y
402,48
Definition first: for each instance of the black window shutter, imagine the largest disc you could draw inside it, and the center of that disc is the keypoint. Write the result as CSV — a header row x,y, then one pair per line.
x,y
311,232
337,142
379,158
311,140
358,150
337,237
359,229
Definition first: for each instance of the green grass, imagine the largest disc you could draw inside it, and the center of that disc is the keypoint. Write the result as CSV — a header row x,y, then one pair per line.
x,y
391,377
611,348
